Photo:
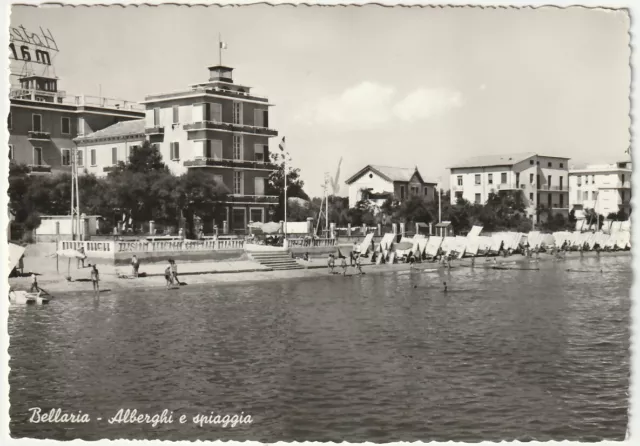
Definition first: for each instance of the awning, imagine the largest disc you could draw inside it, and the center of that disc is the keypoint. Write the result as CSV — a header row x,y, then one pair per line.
x,y
15,253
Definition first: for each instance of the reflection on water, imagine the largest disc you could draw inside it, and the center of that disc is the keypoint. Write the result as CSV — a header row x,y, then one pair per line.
x,y
503,355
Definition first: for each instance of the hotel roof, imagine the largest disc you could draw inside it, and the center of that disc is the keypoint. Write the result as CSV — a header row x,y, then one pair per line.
x,y
401,174
120,129
498,160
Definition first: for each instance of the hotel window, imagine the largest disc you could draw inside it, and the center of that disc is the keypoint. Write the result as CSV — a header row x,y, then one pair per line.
x,y
11,151
531,178
66,157
490,178
549,181
238,188
561,165
213,112
537,163
560,185
237,147
478,199
218,180
37,156
258,185
477,178
503,177
36,123
579,181
585,195
538,180
114,155
593,179
213,149
531,196
174,148
415,190
176,114
426,191
256,215
10,121
66,126
260,118
80,158
237,112
93,157
459,180
402,192
517,179
531,162
549,164
156,117
259,152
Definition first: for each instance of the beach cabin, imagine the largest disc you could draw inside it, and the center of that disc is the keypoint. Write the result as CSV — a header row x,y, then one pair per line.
x,y
444,229
59,227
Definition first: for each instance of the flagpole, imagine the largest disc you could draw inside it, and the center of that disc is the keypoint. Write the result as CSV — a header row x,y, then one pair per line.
x,y
219,49
285,201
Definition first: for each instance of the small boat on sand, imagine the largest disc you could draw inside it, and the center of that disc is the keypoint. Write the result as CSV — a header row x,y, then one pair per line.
x,y
20,297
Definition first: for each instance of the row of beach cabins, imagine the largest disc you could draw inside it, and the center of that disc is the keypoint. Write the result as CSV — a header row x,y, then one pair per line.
x,y
392,247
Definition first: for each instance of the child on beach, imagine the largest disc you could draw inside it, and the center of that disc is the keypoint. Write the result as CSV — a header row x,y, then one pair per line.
x,y
331,263
344,266
95,279
135,265
359,265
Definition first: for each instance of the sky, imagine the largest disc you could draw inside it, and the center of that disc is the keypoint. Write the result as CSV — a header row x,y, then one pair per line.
x,y
402,87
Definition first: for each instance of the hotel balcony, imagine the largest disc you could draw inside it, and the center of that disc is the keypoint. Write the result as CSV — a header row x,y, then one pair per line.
x,y
39,168
234,164
39,136
546,187
155,130
252,199
229,127
618,185
214,91
510,186
458,188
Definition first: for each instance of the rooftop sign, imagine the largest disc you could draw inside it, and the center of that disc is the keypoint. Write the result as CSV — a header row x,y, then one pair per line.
x,y
29,46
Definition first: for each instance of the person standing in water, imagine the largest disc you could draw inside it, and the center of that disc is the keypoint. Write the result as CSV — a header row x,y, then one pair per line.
x,y
135,265
358,265
343,264
445,286
331,263
34,284
174,272
95,279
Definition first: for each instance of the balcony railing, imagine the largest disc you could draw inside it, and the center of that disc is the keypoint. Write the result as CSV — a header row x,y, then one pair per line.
x,y
510,186
238,198
39,168
60,97
155,130
459,188
215,162
42,136
553,188
216,91
109,168
227,126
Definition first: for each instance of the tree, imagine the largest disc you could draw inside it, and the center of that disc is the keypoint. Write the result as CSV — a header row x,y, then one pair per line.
x,y
199,196
621,215
275,184
143,159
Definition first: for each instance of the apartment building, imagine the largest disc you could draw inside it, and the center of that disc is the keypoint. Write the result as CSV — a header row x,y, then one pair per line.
x,y
43,122
378,183
606,188
218,126
542,179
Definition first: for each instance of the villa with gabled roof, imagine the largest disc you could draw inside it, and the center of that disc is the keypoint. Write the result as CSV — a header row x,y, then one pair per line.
x,y
378,183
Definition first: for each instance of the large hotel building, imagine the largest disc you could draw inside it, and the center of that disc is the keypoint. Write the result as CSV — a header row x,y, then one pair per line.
x,y
43,122
218,126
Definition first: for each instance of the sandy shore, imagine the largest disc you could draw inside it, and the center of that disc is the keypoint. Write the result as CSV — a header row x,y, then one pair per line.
x,y
55,282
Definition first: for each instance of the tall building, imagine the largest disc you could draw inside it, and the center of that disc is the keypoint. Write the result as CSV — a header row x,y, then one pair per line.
x,y
542,179
43,121
218,126
606,188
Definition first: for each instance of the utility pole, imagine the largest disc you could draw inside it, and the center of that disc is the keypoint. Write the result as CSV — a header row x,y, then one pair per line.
x,y
326,197
75,195
440,205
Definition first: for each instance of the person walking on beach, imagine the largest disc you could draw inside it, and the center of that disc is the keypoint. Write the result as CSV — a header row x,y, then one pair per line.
x,y
174,272
359,265
343,264
95,279
34,284
331,263
167,276
135,265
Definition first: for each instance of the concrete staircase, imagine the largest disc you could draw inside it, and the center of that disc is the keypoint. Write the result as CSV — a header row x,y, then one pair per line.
x,y
276,260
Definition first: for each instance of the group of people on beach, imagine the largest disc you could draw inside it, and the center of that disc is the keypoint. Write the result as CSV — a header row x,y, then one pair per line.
x,y
354,261
171,274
